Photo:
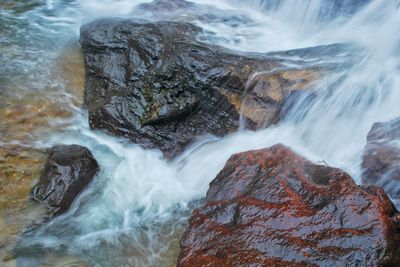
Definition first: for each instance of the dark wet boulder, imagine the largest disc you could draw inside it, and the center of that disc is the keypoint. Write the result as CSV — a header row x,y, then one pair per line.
x,y
271,207
157,85
68,170
381,158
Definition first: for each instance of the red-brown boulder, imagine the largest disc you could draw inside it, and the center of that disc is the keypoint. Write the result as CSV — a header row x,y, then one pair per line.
x,y
271,207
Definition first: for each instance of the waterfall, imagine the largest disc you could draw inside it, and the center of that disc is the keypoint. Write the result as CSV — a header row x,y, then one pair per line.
x,y
141,200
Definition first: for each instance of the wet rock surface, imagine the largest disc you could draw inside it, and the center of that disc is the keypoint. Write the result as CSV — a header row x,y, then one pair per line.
x,y
155,84
26,116
271,207
68,170
381,158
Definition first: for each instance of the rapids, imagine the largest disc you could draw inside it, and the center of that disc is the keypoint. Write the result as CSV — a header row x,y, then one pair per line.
x,y
135,211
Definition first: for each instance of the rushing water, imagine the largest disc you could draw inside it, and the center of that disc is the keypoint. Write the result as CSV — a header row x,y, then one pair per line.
x,y
134,213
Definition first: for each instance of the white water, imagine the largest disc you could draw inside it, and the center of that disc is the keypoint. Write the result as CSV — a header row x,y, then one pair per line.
x,y
141,196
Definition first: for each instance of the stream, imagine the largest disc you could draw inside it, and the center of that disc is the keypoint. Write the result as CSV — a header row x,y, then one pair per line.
x,y
136,210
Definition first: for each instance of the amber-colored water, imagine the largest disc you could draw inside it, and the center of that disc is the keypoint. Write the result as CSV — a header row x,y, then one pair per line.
x,y
129,213
27,117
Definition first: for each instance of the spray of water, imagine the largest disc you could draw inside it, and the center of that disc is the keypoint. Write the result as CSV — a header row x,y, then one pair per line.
x,y
139,200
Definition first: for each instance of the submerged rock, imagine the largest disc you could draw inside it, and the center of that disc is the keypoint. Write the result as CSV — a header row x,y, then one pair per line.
x,y
20,166
30,116
271,207
381,159
155,84
71,69
68,170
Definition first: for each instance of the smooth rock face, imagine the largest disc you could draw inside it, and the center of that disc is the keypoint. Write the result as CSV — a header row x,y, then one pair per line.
x,y
381,159
155,84
271,207
68,170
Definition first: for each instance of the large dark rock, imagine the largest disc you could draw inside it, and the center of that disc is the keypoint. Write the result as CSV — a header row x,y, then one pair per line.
x,y
68,170
155,84
271,207
381,159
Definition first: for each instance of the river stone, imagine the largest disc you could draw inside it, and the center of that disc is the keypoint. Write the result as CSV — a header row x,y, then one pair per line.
x,y
68,170
381,158
272,207
157,85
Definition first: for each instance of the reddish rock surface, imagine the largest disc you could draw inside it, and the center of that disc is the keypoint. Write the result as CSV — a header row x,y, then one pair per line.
x,y
271,207
381,159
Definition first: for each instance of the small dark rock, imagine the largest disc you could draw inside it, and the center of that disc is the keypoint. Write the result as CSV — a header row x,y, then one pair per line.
x,y
68,170
381,158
